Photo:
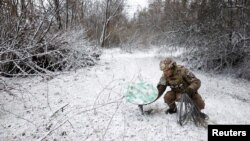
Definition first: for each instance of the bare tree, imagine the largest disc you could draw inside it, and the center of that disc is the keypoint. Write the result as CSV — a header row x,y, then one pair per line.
x,y
23,9
57,11
112,9
67,13
29,46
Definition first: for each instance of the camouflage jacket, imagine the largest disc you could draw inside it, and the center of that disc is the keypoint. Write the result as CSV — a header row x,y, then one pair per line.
x,y
180,80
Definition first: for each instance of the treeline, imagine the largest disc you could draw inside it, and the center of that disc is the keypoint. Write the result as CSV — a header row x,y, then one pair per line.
x,y
216,32
32,32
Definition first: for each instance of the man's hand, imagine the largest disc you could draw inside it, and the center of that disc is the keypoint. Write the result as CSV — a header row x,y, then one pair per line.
x,y
161,89
189,91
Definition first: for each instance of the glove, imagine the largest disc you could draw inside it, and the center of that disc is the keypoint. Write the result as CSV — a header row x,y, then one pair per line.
x,y
161,89
189,91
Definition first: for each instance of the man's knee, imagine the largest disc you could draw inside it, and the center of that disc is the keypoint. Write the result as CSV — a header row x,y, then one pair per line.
x,y
169,97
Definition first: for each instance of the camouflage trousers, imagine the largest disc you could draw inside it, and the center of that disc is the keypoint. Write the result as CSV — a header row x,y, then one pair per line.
x,y
171,97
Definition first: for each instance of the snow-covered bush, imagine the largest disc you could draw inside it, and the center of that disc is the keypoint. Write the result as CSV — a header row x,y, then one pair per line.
x,y
243,69
27,50
220,55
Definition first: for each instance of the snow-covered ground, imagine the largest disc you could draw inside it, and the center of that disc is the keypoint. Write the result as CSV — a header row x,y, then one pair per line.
x,y
88,104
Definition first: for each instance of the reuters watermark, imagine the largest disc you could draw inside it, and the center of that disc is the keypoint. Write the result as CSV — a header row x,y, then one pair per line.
x,y
239,132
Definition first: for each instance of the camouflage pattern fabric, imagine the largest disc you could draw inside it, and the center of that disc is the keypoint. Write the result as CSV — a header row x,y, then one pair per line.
x,y
181,79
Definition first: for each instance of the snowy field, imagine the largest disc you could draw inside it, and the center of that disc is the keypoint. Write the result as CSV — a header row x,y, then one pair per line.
x,y
88,104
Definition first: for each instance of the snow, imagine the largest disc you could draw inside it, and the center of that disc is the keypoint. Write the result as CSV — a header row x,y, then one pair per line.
x,y
88,104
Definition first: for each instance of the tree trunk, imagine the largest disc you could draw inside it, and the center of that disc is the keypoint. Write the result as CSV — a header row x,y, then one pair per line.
x,y
23,9
58,17
67,13
105,25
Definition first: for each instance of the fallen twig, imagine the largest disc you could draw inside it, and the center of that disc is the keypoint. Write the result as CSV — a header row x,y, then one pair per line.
x,y
52,130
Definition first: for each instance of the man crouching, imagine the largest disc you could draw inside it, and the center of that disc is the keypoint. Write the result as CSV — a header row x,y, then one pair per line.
x,y
181,81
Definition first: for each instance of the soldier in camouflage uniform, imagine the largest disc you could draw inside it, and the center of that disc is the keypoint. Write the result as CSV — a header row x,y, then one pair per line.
x,y
180,80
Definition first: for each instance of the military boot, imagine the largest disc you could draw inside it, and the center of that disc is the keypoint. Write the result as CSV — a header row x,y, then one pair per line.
x,y
171,111
204,116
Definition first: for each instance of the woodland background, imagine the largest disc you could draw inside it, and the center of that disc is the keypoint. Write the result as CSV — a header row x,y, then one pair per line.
x,y
33,33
